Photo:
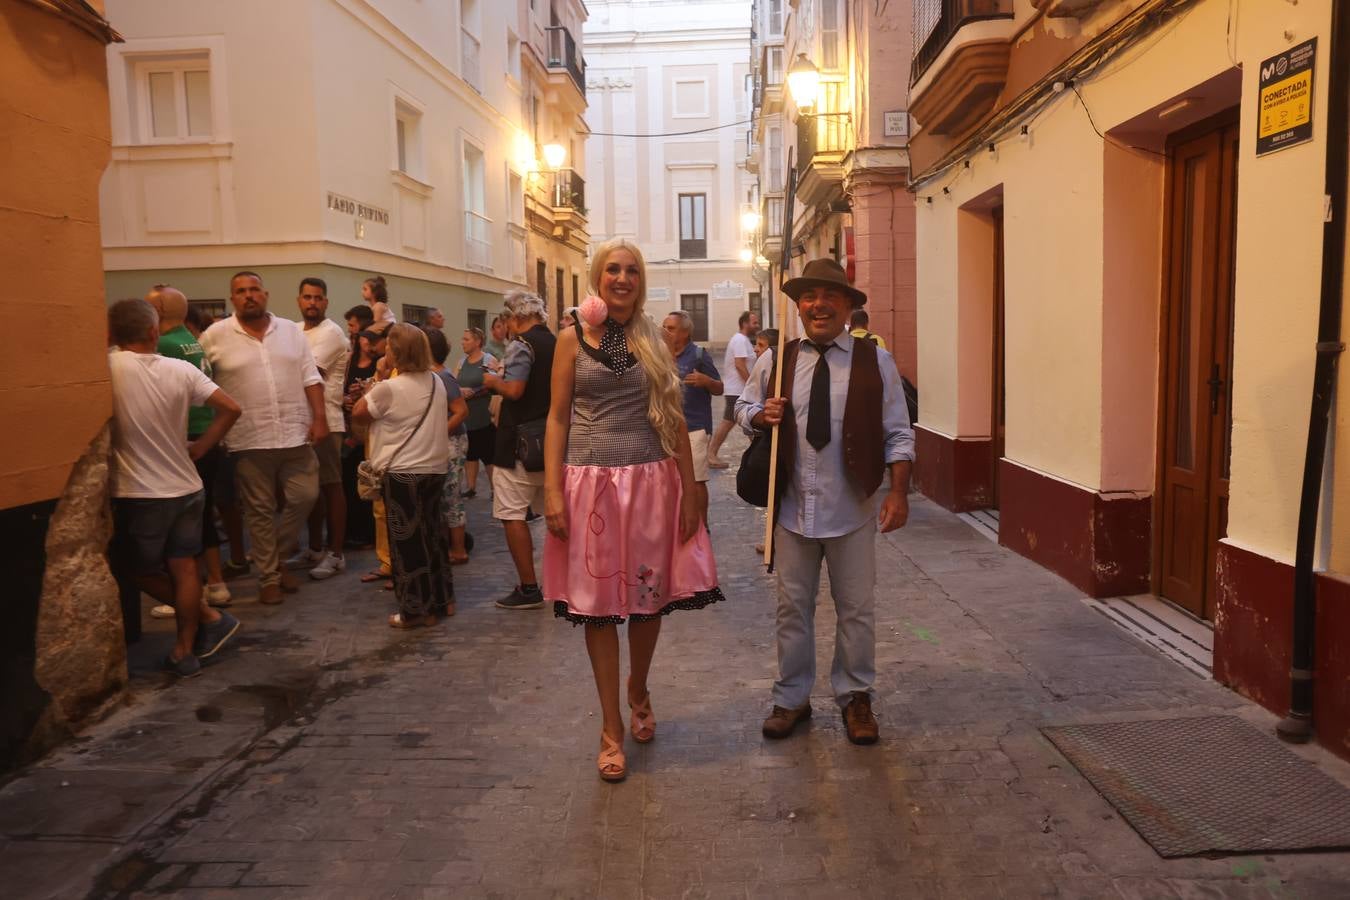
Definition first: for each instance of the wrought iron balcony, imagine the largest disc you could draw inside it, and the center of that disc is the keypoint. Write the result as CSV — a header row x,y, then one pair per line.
x,y
937,21
569,191
562,54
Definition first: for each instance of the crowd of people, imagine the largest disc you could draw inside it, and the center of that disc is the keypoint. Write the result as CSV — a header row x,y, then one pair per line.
x,y
315,440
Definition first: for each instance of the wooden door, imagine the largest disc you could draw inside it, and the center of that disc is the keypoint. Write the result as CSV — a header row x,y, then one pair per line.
x,y
998,396
1197,357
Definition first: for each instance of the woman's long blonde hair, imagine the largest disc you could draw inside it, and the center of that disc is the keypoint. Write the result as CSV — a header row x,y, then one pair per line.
x,y
665,408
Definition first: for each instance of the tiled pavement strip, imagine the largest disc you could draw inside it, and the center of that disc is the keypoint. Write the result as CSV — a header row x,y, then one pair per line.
x,y
325,755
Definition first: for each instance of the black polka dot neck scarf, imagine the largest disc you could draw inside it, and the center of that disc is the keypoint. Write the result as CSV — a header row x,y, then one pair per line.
x,y
614,344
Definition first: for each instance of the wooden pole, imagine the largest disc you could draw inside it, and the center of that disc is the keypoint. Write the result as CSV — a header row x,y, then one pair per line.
x,y
771,509
789,204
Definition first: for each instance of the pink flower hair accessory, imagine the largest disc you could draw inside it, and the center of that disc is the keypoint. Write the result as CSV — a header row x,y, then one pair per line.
x,y
593,311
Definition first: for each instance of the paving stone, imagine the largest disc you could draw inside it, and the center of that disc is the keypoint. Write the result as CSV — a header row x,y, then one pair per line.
x,y
326,755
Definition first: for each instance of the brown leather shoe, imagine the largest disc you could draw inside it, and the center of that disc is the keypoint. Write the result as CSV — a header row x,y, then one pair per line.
x,y
289,583
782,721
270,594
859,721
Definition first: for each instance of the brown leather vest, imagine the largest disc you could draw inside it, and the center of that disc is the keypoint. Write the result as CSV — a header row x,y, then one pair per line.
x,y
864,440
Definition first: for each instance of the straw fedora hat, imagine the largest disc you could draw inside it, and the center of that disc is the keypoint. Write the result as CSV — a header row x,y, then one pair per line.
x,y
824,272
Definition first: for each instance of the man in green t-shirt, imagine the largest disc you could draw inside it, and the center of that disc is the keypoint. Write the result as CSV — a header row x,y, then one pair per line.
x,y
176,341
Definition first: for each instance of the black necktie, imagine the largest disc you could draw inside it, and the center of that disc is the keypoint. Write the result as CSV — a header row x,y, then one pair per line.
x,y
818,409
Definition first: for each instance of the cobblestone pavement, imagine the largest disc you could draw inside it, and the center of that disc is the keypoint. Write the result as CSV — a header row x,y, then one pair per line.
x,y
326,755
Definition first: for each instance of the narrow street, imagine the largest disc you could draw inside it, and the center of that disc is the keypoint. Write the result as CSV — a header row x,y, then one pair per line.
x,y
325,755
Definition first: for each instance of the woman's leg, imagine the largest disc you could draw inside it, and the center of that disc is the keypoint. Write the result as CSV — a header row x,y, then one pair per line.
x,y
642,637
602,645
440,588
471,475
453,500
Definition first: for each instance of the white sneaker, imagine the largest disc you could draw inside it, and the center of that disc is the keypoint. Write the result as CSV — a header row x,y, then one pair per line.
x,y
162,611
304,559
330,565
216,595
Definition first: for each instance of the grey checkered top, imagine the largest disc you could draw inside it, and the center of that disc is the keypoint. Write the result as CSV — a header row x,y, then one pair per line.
x,y
609,416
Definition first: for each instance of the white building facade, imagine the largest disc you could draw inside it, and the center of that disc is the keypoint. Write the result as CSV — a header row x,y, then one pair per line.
x,y
344,139
677,76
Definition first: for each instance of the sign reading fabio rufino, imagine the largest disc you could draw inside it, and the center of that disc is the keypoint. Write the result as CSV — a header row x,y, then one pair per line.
x,y
348,206
1285,90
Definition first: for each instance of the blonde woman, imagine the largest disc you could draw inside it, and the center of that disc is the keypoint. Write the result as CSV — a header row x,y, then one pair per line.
x,y
626,537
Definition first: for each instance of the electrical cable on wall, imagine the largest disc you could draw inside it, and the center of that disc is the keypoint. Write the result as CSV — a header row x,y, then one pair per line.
x,y
1030,110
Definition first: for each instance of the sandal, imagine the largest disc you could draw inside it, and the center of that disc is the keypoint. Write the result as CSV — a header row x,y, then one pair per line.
x,y
400,621
387,586
643,724
611,762
374,575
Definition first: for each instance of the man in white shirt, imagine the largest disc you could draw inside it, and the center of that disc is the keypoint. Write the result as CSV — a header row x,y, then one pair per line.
x,y
740,356
158,500
265,362
331,348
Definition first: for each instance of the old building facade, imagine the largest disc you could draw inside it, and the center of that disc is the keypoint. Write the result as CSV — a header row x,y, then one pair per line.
x,y
346,138
1121,216
846,141
60,623
670,107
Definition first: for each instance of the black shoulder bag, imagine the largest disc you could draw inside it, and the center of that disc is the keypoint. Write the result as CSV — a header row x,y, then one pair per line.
x,y
752,478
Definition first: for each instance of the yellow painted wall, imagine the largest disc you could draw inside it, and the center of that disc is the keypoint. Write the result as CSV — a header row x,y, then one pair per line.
x,y
1055,206
54,117
1052,265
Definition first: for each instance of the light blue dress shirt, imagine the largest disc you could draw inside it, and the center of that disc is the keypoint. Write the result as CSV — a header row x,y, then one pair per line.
x,y
820,501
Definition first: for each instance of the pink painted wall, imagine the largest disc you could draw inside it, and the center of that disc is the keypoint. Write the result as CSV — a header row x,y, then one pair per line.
x,y
883,223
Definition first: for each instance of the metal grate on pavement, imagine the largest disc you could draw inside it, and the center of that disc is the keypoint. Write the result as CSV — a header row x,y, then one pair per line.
x,y
1209,785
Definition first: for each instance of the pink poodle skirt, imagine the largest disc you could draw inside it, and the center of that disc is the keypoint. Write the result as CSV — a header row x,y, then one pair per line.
x,y
623,557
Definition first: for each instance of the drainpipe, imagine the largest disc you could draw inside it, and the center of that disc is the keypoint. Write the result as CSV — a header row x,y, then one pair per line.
x,y
1297,727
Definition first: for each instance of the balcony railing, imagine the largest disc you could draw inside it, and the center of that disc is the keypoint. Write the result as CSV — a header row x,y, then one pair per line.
x,y
562,54
471,69
477,243
569,190
936,21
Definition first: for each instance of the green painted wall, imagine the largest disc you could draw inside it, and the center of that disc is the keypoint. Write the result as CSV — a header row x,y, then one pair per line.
x,y
283,282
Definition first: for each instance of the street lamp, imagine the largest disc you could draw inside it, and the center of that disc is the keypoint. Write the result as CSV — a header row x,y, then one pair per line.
x,y
750,221
554,155
803,80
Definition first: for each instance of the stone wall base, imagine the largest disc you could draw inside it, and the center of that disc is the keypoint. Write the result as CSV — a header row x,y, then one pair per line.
x,y
955,473
1253,637
81,649
1100,543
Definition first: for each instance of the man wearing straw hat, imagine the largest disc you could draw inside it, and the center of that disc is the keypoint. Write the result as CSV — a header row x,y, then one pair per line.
x,y
844,424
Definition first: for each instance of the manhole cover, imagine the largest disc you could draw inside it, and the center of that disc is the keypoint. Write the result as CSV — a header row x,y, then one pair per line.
x,y
1209,785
